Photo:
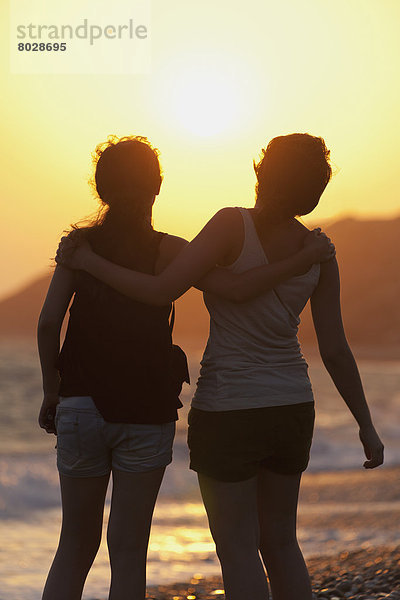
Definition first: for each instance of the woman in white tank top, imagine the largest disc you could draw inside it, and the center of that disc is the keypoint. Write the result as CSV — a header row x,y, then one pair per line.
x,y
251,422
258,339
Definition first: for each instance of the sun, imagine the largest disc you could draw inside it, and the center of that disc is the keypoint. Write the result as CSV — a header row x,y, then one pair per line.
x,y
206,96
206,102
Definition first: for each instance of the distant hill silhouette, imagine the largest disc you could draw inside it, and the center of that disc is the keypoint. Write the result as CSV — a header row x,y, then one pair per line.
x,y
369,257
19,312
368,253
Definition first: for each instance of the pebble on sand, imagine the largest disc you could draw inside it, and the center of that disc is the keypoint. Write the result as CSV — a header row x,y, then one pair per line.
x,y
369,574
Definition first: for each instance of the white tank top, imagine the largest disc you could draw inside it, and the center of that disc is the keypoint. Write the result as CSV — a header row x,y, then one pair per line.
x,y
253,357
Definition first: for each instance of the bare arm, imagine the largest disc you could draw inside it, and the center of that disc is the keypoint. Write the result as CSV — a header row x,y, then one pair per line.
x,y
195,265
339,360
48,335
240,287
192,263
250,284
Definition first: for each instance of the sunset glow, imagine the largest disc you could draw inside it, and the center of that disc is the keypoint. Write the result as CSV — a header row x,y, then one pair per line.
x,y
223,82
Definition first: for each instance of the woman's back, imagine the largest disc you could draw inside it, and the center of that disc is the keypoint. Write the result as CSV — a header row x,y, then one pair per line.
x,y
117,348
253,357
115,410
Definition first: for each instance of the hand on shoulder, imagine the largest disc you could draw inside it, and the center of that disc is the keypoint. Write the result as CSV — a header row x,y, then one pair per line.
x,y
73,249
319,245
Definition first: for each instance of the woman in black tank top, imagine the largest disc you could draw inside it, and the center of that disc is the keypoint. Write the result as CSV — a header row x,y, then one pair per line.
x,y
109,393
250,487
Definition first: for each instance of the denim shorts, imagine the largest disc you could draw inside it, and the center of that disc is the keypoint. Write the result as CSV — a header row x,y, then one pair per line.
x,y
233,445
88,446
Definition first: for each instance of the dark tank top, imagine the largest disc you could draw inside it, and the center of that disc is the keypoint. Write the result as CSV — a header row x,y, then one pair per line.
x,y
117,350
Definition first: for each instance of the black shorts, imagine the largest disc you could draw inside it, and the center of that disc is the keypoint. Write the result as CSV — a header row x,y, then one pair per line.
x,y
232,445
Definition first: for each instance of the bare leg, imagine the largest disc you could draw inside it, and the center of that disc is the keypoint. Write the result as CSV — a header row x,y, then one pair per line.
x,y
133,499
232,516
83,506
277,509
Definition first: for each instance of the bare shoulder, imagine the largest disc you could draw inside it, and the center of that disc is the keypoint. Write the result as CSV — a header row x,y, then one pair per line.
x,y
228,222
229,215
300,226
228,212
229,226
301,229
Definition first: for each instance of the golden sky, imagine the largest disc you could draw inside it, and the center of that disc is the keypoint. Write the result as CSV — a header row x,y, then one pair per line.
x,y
226,77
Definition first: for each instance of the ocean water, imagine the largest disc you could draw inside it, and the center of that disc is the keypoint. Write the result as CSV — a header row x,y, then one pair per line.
x,y
180,542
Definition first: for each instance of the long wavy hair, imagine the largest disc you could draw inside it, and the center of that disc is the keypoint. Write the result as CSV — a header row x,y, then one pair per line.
x,y
127,178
